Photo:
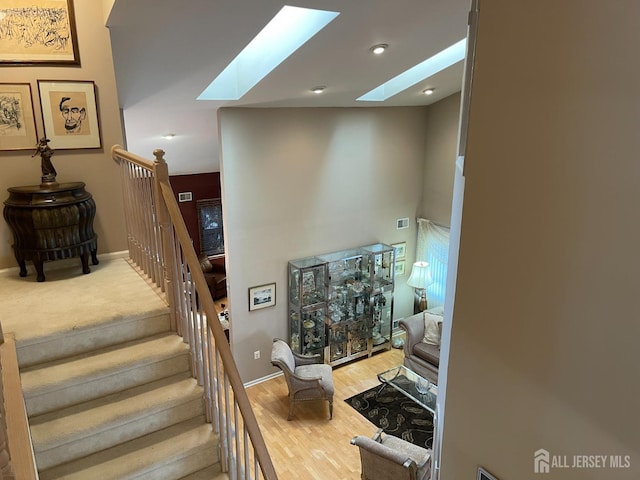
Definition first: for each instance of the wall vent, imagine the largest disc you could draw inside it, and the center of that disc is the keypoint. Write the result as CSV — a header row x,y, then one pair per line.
x,y
402,223
185,196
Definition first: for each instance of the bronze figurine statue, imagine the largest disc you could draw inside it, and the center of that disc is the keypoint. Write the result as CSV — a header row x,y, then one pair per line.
x,y
48,170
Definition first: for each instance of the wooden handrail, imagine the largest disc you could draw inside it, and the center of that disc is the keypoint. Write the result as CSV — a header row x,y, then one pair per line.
x,y
228,361
119,151
183,277
21,457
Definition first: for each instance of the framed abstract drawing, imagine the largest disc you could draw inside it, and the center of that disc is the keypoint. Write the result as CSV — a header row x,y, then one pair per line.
x,y
38,32
17,123
70,113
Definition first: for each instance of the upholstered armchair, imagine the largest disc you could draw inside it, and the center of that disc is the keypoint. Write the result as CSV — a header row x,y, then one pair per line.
x,y
391,458
306,378
216,277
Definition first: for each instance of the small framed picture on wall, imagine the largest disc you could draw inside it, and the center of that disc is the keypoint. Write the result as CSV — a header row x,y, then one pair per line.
x,y
485,475
401,249
262,296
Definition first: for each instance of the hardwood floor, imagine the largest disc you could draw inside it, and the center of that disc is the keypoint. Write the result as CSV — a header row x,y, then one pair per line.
x,y
310,446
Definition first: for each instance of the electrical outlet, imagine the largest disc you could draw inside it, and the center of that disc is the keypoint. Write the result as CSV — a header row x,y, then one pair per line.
x,y
256,355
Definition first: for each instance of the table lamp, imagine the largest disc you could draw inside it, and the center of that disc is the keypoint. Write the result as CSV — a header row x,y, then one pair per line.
x,y
420,279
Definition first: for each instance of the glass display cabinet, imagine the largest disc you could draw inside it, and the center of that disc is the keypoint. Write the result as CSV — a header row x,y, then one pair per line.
x,y
341,303
307,306
381,272
348,305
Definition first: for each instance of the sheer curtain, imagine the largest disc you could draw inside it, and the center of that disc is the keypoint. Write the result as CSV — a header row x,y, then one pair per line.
x,y
433,247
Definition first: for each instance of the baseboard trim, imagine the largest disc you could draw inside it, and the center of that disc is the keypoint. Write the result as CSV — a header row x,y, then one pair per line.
x,y
263,379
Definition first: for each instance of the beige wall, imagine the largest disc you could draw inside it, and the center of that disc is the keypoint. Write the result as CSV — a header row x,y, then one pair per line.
x,y
107,5
543,349
94,167
440,157
299,182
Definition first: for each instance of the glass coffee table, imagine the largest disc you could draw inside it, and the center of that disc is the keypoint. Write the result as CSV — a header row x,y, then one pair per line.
x,y
412,385
421,391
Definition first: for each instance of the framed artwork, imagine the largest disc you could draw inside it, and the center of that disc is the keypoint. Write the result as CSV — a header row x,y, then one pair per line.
x,y
17,121
401,249
38,32
262,296
485,475
210,226
70,114
399,268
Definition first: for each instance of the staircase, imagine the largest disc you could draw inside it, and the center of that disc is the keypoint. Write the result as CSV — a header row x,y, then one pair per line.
x,y
117,403
112,397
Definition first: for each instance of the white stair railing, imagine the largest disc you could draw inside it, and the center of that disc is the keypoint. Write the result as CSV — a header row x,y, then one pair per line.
x,y
161,247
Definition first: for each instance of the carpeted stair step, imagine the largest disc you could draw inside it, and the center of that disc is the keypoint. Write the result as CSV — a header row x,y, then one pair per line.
x,y
75,339
86,377
168,454
68,434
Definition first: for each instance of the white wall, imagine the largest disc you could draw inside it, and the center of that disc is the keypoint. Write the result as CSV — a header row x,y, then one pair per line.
x,y
94,167
299,182
440,158
545,329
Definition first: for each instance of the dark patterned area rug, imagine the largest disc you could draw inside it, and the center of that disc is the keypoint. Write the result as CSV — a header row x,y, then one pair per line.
x,y
396,414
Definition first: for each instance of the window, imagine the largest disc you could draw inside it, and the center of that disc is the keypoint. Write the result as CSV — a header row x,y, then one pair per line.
x,y
433,247
210,224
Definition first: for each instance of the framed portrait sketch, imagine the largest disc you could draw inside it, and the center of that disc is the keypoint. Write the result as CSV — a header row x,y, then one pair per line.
x,y
262,296
38,32
17,123
70,114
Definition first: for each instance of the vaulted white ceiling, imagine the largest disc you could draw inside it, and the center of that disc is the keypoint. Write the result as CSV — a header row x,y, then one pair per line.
x,y
167,52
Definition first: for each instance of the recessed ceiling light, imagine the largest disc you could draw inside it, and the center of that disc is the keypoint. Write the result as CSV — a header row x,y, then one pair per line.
x,y
318,89
168,136
380,48
432,65
428,91
291,28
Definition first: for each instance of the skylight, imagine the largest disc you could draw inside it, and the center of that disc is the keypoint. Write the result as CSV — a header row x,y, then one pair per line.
x,y
415,74
291,28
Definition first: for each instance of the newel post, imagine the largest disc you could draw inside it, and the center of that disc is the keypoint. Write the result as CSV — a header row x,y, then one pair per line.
x,y
168,245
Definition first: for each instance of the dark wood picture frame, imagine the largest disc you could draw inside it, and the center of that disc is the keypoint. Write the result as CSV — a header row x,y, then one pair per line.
x,y
38,32
210,226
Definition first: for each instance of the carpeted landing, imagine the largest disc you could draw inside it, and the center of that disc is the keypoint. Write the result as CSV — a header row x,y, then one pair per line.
x,y
396,414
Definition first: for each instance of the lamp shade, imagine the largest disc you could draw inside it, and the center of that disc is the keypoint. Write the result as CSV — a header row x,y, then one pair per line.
x,y
420,275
